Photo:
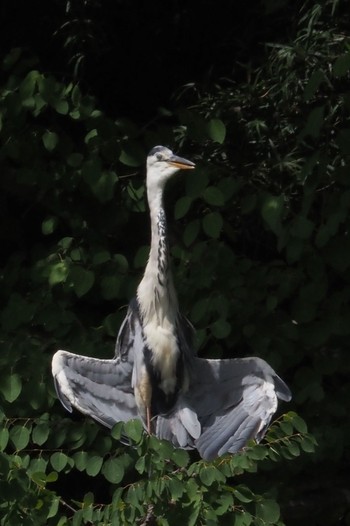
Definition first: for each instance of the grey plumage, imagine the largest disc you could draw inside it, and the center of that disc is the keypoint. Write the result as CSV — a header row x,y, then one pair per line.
x,y
234,401
214,406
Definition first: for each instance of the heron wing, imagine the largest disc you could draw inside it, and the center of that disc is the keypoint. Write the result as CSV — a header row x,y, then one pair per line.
x,y
234,401
100,389
130,330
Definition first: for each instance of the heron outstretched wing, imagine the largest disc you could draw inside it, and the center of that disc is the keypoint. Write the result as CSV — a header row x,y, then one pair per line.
x,y
100,389
234,401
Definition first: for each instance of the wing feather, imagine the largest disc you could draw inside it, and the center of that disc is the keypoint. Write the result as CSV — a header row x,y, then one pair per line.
x,y
98,388
234,401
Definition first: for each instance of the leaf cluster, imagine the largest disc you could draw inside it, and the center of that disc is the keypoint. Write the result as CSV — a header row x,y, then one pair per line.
x,y
147,480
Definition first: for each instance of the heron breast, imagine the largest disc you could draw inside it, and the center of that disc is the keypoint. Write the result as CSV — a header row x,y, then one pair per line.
x,y
164,350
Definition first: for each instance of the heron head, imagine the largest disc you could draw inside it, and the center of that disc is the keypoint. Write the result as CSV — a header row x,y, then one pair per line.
x,y
162,164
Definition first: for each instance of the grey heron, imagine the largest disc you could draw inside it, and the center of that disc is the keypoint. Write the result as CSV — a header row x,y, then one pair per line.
x,y
214,406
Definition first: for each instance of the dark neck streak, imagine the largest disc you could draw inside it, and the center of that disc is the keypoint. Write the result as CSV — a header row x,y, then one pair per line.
x,y
163,249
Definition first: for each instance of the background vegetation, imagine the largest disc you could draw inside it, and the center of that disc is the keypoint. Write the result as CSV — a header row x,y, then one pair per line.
x,y
259,97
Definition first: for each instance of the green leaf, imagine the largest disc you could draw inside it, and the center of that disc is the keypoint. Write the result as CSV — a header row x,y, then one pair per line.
x,y
53,508
313,84
141,257
75,159
52,477
76,95
216,130
111,324
12,57
243,494
62,107
221,329
176,488
110,287
343,140
41,433
207,476
140,465
37,464
191,232
268,511
103,188
82,280
271,211
132,156
342,65
28,84
180,457
50,140
58,460
93,465
101,257
314,123
286,427
248,203
39,478
212,224
225,503
11,387
80,460
20,436
302,227
4,438
134,430
308,444
49,225
243,518
113,470
196,183
117,430
91,171
213,196
58,273
298,423
182,206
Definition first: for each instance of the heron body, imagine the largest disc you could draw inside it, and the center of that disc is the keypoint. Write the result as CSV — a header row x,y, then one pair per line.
x,y
160,370
214,406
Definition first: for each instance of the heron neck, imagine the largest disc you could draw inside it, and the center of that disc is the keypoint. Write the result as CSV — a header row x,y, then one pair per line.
x,y
156,287
159,252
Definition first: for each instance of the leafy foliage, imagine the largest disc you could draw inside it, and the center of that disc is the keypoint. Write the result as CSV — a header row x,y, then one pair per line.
x,y
259,237
148,480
